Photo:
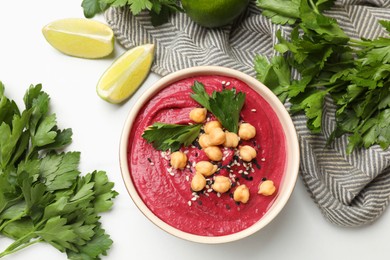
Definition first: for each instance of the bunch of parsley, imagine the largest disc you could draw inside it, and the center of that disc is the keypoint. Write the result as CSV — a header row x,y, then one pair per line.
x,y
159,9
43,197
354,73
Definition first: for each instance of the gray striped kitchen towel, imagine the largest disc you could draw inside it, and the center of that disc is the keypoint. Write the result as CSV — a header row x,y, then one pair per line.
x,y
351,190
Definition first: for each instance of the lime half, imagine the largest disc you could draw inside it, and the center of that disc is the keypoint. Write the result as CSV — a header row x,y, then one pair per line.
x,y
126,74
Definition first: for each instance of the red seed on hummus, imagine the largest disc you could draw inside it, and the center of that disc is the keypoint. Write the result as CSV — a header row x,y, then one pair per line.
x,y
205,209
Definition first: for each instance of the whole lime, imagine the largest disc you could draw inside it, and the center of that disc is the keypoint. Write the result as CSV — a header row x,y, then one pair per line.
x,y
214,13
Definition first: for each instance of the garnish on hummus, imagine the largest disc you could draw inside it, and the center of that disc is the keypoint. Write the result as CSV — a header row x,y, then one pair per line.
x,y
203,173
226,106
171,136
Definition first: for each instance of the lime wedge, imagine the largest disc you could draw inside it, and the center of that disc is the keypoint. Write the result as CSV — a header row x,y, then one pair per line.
x,y
126,74
80,37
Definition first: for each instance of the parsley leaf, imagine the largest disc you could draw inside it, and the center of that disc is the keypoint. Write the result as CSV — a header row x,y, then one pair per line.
x,y
159,9
92,7
200,95
43,196
275,74
385,24
280,11
171,136
225,105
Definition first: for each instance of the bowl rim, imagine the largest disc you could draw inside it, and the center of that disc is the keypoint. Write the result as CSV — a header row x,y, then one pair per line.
x,y
292,152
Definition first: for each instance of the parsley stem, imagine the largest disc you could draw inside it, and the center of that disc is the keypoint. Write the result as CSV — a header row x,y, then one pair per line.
x,y
30,151
20,244
314,7
357,42
12,220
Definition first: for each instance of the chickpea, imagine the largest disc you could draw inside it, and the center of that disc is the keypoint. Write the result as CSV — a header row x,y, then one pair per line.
x,y
204,141
267,188
246,131
198,115
198,182
241,194
211,125
217,136
221,184
206,168
178,160
231,139
213,153
247,153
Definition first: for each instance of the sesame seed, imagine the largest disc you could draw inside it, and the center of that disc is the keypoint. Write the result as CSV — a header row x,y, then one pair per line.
x,y
218,194
223,82
263,159
189,203
187,178
253,110
193,198
228,83
209,190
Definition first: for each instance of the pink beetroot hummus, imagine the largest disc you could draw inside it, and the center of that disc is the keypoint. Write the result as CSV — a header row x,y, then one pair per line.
x,y
167,192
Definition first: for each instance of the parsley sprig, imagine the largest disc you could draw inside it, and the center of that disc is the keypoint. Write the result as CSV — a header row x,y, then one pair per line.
x,y
225,105
43,196
355,73
158,9
171,136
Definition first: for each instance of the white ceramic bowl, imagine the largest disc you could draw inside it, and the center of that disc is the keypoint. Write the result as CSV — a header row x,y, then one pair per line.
x,y
292,152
